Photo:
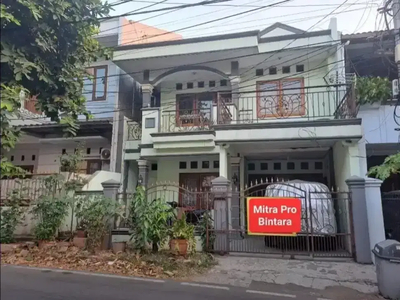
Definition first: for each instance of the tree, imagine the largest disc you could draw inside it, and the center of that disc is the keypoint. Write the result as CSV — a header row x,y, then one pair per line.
x,y
391,165
46,45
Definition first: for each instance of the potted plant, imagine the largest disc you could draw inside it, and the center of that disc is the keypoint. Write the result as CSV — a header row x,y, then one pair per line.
x,y
182,237
80,229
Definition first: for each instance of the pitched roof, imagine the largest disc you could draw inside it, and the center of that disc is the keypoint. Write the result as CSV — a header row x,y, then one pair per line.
x,y
276,25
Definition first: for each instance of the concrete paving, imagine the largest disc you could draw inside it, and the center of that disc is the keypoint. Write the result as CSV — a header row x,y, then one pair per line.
x,y
333,280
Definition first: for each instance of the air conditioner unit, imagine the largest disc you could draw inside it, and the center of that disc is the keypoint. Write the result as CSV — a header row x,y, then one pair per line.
x,y
105,154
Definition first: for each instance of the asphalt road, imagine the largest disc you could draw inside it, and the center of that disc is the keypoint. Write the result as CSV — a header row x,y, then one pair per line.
x,y
18,283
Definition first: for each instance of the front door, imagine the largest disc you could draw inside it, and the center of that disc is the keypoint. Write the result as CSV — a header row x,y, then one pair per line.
x,y
196,186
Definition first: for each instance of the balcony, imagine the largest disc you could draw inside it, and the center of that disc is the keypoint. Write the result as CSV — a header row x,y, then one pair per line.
x,y
163,127
316,105
337,103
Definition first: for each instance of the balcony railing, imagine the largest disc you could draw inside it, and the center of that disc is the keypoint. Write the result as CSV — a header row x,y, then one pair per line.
x,y
134,131
187,119
335,104
310,104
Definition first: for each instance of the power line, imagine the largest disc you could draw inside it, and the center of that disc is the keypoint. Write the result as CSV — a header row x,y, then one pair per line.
x,y
211,21
240,92
254,20
133,13
291,42
223,59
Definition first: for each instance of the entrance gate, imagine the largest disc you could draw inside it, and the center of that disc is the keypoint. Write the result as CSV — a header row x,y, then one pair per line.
x,y
326,229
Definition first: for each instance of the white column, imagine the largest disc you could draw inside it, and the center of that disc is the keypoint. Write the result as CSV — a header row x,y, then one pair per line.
x,y
223,161
147,91
373,199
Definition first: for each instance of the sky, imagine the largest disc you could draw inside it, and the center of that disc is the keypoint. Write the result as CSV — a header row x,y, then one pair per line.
x,y
352,16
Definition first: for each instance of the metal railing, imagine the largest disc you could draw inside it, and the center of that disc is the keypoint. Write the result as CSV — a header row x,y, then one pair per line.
x,y
134,131
27,189
301,105
187,119
391,214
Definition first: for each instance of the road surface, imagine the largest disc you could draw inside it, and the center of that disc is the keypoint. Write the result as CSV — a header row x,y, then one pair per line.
x,y
20,283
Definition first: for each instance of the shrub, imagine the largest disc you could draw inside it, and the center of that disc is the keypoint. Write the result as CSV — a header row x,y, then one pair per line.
x,y
149,221
96,213
11,216
181,230
49,211
207,233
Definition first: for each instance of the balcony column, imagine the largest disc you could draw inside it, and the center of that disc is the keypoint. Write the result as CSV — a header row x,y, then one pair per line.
x,y
223,160
147,89
235,81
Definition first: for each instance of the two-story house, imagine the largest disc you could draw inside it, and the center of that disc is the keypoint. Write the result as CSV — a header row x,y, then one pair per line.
x,y
109,98
248,106
372,54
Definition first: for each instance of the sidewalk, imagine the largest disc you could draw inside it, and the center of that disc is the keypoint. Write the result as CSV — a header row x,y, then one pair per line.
x,y
331,280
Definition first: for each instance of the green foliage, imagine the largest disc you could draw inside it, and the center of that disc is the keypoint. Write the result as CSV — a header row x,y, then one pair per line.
x,y
11,216
207,234
373,89
149,221
9,135
49,211
181,230
46,45
391,165
95,214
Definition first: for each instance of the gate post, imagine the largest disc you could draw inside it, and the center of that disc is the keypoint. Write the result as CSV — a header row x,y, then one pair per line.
x,y
235,201
374,212
220,188
110,190
359,219
143,173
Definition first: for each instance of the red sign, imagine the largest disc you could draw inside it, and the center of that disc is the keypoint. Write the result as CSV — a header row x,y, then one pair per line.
x,y
270,215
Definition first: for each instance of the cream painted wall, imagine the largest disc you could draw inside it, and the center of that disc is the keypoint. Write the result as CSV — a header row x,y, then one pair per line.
x,y
347,163
320,102
168,172
47,156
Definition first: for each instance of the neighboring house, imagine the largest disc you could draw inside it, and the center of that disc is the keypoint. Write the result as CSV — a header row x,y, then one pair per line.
x,y
372,54
247,106
110,97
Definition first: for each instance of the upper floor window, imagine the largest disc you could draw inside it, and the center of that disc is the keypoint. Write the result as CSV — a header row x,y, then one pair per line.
x,y
281,98
96,87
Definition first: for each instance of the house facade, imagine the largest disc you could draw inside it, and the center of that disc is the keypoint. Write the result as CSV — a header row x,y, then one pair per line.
x,y
109,98
253,106
372,54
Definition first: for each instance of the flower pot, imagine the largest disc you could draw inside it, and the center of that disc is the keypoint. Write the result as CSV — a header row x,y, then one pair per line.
x,y
118,247
80,233
179,246
79,242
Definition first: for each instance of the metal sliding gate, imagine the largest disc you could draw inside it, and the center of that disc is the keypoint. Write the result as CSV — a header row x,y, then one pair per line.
x,y
326,224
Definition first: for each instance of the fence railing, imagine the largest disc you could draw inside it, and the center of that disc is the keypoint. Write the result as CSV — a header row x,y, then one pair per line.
x,y
305,105
134,131
391,214
187,119
26,189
